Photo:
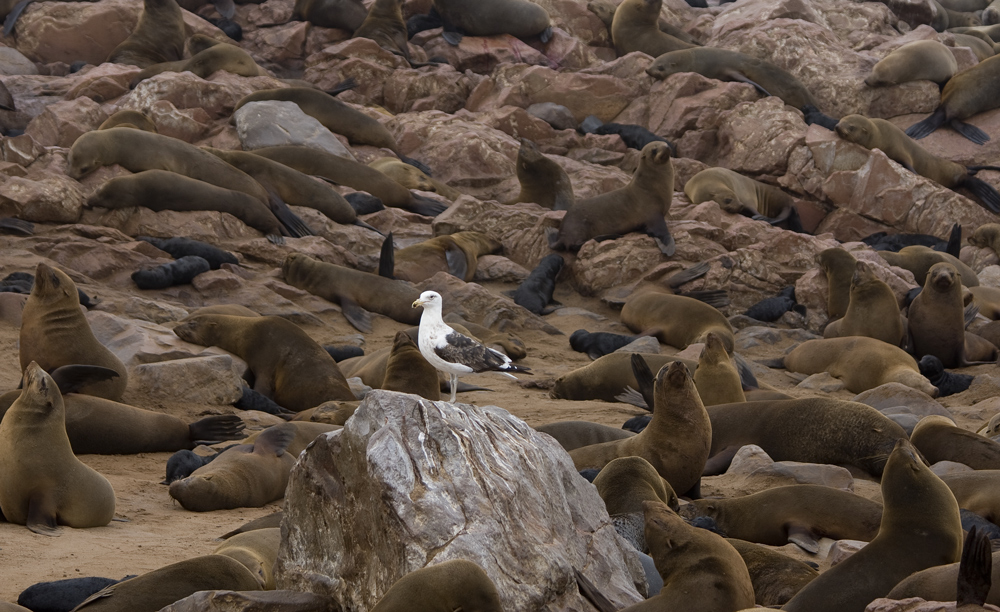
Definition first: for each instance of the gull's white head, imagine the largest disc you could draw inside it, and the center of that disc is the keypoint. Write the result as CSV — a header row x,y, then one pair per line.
x,y
428,298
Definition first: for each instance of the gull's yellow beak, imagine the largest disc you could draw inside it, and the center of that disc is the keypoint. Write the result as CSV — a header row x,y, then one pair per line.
x,y
417,303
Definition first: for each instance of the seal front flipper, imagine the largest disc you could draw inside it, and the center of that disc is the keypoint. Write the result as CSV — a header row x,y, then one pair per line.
x,y
546,35
923,128
42,515
450,33
11,224
812,115
216,428
357,316
717,298
974,570
8,24
644,379
458,263
419,165
428,207
387,258
970,131
296,227
734,75
954,241
747,378
591,593
685,276
985,193
970,313
71,378
804,538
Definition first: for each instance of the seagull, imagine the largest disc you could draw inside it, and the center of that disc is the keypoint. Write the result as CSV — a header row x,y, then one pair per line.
x,y
454,353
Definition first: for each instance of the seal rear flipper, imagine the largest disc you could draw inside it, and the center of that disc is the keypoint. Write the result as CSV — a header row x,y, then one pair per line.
x,y
419,165
747,378
589,125
387,258
463,387
812,115
42,515
970,131
590,592
296,227
71,378
717,298
8,24
644,379
274,440
277,239
924,128
546,35
451,34
428,207
216,428
357,316
11,224
226,8
777,364
954,241
974,570
985,193
364,203
720,461
687,275
361,223
458,263
970,313
345,85
804,538
633,397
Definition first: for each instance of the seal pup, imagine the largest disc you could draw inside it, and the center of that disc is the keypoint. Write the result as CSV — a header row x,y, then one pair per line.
x,y
776,578
883,135
716,378
634,136
60,595
921,60
800,514
861,363
457,254
881,241
939,439
872,311
679,459
288,365
920,528
158,37
674,319
42,483
519,18
598,344
257,550
179,272
55,333
626,482
968,93
635,27
342,14
454,353
535,292
771,309
542,180
458,584
946,382
183,247
725,65
740,195
385,25
839,267
919,259
639,206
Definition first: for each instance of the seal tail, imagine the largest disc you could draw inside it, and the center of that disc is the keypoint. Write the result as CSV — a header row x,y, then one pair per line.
x,y
387,258
419,165
923,128
814,115
954,241
984,192
970,131
8,24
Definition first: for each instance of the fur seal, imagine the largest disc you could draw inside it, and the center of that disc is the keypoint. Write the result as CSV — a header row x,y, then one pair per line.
x,y
519,18
801,514
451,585
179,272
626,482
183,247
357,292
977,491
639,206
937,321
55,333
920,528
839,266
634,136
42,484
919,259
411,177
342,14
207,62
988,301
288,365
882,241
675,320
606,377
881,134
576,434
162,587
303,434
946,382
542,180
257,550
725,65
59,595
861,363
773,308
605,11
407,371
598,344
385,25
811,430
921,60
635,27
456,254
986,235
678,458
968,93
872,312
740,195
158,37
243,476
940,584
129,119
717,380
535,292
939,439
352,174
776,578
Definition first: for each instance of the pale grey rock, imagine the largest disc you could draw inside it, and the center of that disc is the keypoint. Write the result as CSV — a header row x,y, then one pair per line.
x,y
944,468
753,461
275,123
250,601
645,344
499,268
409,482
906,421
896,398
556,115
821,381
217,383
843,549
13,61
758,335
358,387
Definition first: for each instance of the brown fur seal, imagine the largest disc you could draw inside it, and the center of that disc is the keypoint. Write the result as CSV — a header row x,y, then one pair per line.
x,y
605,11
940,584
801,514
129,119
776,578
291,185
675,320
385,25
456,254
873,310
162,587
937,321
408,372
978,492
988,301
919,259
158,37
342,14
701,571
576,434
920,528
42,484
939,439
542,180
811,430
861,363
257,550
717,380
639,206
839,266
519,18
352,174
981,45
921,60
986,235
451,585
162,190
303,433
635,27
626,482
739,195
207,62
243,476
968,93
883,135
54,332
678,457
606,377
412,177
355,291
288,366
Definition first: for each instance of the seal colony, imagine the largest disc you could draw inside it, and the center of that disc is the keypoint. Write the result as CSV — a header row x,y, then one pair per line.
x,y
137,279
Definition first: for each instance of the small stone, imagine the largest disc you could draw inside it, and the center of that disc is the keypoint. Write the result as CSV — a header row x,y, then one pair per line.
x,y
172,380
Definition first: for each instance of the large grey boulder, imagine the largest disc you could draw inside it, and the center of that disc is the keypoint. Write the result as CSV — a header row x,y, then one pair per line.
x,y
275,123
409,483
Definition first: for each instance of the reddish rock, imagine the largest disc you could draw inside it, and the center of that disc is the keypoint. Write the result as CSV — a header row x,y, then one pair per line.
x,y
189,125
439,88
517,123
325,70
266,14
847,226
602,265
757,138
216,97
60,124
577,21
689,101
480,54
206,226
915,604
102,83
281,45
56,199
566,52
